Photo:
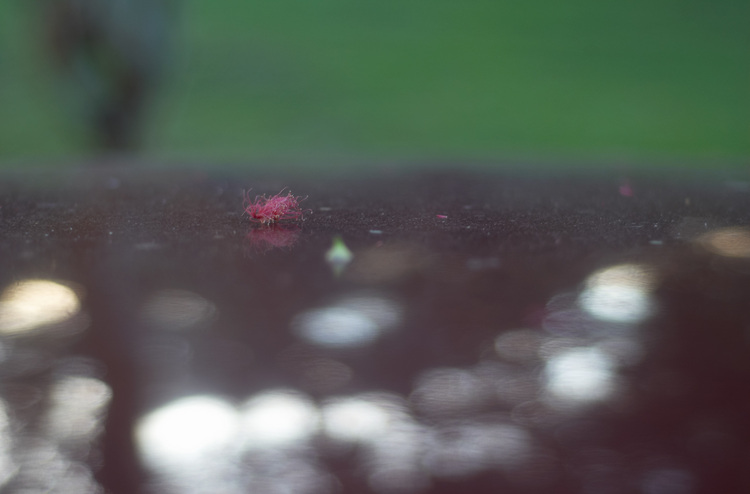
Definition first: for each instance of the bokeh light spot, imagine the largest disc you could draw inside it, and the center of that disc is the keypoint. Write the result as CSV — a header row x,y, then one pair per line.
x,y
352,322
278,418
355,419
619,294
186,431
728,242
580,375
30,304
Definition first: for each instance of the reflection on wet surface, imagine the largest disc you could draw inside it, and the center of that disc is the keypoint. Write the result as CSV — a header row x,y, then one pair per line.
x,y
436,333
33,304
350,322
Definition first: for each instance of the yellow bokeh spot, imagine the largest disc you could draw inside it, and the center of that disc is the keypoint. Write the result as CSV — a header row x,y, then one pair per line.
x,y
30,304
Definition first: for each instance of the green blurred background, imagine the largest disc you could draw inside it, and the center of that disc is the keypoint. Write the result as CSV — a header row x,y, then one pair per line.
x,y
336,81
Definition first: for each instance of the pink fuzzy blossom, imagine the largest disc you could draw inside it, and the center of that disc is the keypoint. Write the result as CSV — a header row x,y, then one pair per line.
x,y
269,210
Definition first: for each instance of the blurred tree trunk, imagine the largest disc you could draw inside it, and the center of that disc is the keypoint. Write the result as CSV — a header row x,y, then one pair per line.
x,y
111,56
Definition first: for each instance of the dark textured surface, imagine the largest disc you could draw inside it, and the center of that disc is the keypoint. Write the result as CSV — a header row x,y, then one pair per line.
x,y
494,359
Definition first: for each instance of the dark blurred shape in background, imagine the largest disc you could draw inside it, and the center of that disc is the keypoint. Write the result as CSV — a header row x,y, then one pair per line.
x,y
339,81
110,55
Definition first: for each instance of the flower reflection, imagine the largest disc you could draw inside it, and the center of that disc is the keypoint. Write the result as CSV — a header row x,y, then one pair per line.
x,y
261,240
352,322
619,293
30,304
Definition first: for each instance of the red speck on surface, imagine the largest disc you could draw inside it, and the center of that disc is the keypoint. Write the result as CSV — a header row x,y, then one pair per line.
x,y
442,216
268,210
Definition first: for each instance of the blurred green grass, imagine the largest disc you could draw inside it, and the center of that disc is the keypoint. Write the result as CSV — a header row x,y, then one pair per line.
x,y
339,80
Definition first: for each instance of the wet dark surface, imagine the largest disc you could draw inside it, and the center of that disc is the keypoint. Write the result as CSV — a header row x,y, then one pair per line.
x,y
470,333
